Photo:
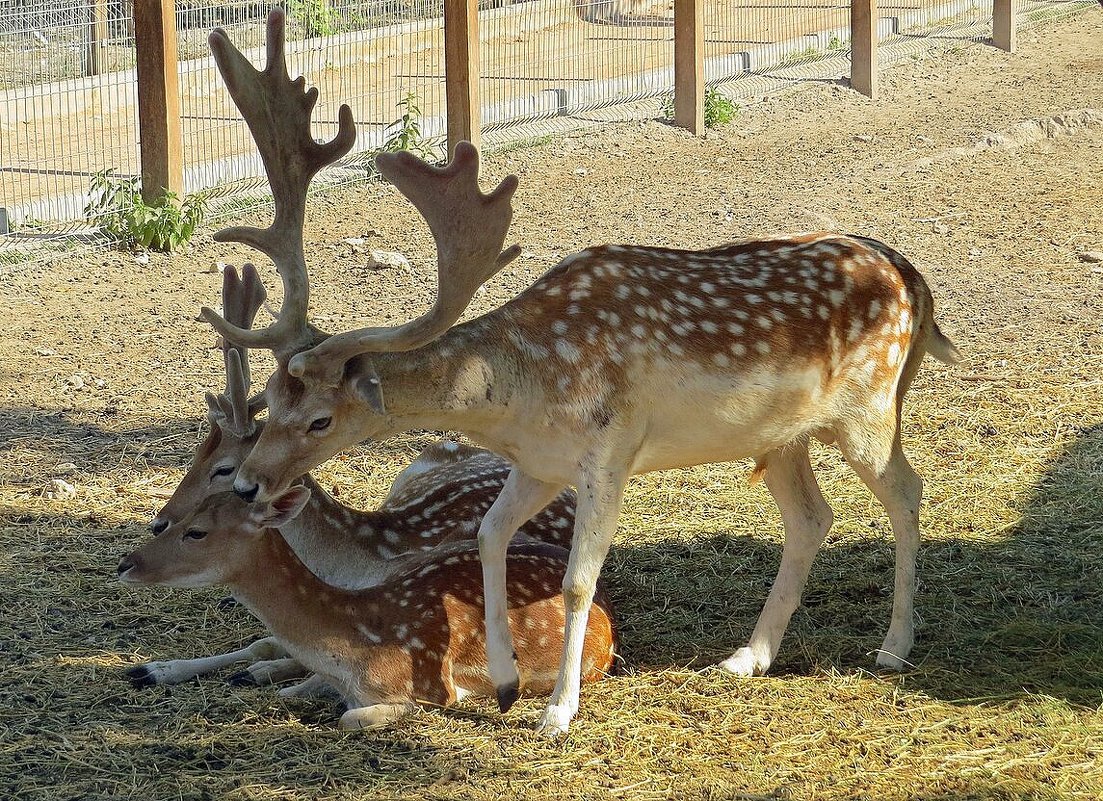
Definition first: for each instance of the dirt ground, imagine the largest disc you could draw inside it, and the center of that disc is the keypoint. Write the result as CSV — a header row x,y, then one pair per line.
x,y
103,366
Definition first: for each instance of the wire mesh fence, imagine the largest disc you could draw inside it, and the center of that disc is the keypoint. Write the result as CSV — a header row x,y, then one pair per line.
x,y
68,99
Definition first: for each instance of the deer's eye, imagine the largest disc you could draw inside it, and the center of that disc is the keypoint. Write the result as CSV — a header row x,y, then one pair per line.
x,y
225,470
321,424
194,534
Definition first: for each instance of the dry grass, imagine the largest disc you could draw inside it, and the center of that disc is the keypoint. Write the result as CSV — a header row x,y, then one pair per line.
x,y
1005,699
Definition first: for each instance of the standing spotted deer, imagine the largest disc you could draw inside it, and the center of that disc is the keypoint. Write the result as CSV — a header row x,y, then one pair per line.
x,y
440,497
619,360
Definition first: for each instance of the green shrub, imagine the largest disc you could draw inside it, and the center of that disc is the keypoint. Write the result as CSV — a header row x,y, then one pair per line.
x,y
317,17
117,208
719,110
406,130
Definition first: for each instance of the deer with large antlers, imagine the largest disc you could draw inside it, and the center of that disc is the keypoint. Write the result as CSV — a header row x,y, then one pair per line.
x,y
416,637
440,497
619,360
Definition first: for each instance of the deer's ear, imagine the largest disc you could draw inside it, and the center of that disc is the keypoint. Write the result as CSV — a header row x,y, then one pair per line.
x,y
280,510
366,385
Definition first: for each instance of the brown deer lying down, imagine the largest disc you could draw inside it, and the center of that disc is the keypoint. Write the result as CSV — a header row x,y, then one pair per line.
x,y
441,496
416,637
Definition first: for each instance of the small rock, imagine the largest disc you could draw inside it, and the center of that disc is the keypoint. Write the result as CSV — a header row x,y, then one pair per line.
x,y
863,138
941,228
1091,256
924,140
65,468
60,490
355,241
975,253
581,171
217,267
142,258
386,260
45,352
75,381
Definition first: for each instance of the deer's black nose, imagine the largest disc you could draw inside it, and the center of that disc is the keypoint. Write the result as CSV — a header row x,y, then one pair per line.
x,y
159,524
126,564
247,494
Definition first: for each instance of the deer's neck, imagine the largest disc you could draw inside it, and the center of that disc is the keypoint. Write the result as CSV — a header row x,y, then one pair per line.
x,y
298,607
345,547
464,376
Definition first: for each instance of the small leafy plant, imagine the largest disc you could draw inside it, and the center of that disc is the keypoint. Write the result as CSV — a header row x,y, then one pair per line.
x,y
317,17
719,110
406,129
116,206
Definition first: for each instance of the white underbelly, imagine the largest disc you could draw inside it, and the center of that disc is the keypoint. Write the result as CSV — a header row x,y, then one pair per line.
x,y
714,421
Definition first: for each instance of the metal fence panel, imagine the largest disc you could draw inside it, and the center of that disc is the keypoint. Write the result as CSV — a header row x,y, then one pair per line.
x,y
68,87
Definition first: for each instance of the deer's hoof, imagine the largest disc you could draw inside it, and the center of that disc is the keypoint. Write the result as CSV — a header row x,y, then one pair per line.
x,y
891,661
742,663
507,696
243,678
554,722
141,676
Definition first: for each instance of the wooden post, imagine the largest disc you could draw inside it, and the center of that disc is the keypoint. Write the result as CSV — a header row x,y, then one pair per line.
x,y
863,47
158,99
461,72
1003,24
689,66
94,61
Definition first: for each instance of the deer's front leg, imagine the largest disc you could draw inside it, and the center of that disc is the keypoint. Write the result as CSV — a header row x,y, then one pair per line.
x,y
600,493
180,670
521,498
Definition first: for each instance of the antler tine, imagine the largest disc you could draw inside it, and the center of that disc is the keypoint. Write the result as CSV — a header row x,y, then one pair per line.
x,y
469,229
241,300
231,411
278,112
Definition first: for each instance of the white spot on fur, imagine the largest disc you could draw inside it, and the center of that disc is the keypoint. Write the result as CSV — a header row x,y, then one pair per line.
x,y
567,351
370,635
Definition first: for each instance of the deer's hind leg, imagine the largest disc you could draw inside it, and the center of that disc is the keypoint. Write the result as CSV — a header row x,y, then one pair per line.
x,y
374,716
807,519
873,451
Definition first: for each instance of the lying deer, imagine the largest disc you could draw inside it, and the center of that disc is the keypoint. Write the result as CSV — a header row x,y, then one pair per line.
x,y
415,637
619,360
441,496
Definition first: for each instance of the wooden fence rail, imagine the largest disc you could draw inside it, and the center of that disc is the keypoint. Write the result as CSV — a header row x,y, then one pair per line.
x,y
159,93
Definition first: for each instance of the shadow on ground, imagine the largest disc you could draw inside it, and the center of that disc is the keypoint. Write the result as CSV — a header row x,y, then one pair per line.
x,y
998,616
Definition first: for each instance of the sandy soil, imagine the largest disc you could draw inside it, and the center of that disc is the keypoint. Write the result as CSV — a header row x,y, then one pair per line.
x,y
996,231
103,366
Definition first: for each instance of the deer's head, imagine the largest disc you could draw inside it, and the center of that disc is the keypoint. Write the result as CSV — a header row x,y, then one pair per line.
x,y
326,394
213,543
